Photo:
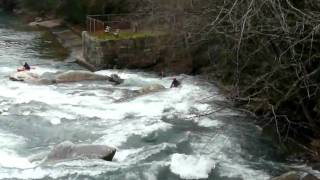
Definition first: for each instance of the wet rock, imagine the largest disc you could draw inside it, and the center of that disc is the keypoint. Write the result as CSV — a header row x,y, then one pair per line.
x,y
292,175
25,76
143,91
315,166
62,77
30,77
151,88
67,150
38,19
45,81
115,79
309,177
74,76
47,24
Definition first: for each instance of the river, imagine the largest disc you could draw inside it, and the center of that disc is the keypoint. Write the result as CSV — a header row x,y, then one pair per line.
x,y
157,136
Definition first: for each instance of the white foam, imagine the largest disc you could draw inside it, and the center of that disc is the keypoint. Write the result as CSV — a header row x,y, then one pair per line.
x,y
123,154
26,113
118,133
3,103
6,69
55,116
133,156
85,163
8,140
9,159
41,70
55,121
207,122
191,166
202,107
235,170
153,171
5,114
43,173
227,151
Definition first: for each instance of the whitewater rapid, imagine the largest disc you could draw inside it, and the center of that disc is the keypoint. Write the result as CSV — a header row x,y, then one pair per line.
x,y
161,135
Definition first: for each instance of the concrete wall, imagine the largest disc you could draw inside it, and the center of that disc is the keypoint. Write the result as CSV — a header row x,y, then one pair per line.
x,y
125,53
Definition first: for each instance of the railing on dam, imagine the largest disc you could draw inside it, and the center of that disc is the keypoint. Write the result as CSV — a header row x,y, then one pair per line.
x,y
131,22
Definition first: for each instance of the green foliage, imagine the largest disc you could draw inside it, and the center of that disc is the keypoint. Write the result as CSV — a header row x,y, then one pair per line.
x,y
43,6
75,11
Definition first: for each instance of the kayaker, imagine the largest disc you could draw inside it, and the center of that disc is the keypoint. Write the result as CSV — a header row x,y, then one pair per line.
x,y
26,66
175,83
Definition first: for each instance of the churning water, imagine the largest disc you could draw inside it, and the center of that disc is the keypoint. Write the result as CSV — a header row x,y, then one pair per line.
x,y
157,136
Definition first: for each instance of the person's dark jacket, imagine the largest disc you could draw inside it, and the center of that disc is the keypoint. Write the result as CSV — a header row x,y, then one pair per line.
x,y
26,66
175,83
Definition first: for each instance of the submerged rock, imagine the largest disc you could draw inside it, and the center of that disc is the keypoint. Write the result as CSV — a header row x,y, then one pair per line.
x,y
45,81
74,76
67,150
151,88
143,91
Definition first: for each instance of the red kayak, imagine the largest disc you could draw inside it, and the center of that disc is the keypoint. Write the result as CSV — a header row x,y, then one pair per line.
x,y
23,69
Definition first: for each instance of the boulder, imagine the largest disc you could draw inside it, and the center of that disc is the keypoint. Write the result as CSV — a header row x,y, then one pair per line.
x,y
143,91
74,76
30,77
47,24
115,79
292,175
67,151
309,177
45,81
48,78
151,88
63,77
25,76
